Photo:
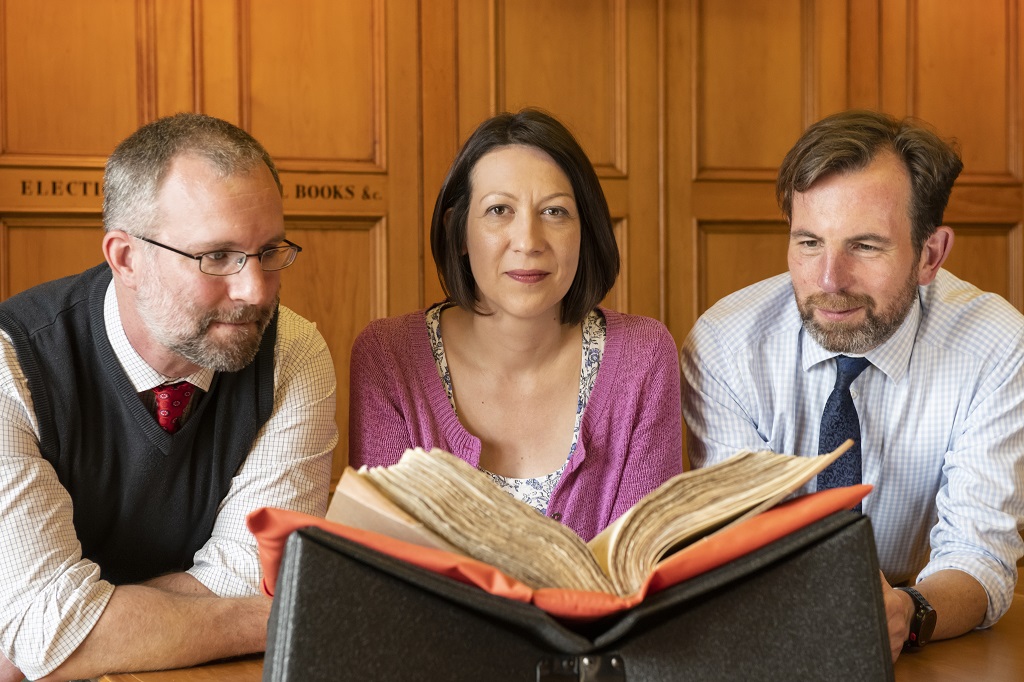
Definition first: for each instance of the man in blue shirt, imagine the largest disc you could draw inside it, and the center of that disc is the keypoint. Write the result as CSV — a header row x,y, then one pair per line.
x,y
941,402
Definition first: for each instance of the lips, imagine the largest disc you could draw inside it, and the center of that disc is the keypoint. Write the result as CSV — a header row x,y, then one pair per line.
x,y
838,307
527,276
837,315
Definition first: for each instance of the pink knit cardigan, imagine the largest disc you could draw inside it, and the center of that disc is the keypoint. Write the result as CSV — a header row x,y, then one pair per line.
x,y
630,437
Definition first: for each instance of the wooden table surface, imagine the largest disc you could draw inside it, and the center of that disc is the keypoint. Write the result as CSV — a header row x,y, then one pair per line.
x,y
993,655
246,669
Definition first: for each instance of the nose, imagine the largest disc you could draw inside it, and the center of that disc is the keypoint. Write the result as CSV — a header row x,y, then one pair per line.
x,y
527,234
252,284
835,273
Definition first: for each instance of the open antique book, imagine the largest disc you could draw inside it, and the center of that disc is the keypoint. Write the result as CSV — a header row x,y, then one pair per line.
x,y
434,499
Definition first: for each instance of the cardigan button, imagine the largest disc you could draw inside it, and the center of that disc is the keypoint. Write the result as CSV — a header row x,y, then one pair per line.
x,y
557,516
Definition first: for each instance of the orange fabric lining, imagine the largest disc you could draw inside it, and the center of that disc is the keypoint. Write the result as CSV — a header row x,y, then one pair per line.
x,y
273,526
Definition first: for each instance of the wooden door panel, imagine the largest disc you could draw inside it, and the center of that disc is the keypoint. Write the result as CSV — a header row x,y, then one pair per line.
x,y
987,256
314,82
750,85
733,255
72,95
170,58
966,83
39,249
543,69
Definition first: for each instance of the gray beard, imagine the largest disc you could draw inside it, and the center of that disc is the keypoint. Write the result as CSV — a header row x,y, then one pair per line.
x,y
180,328
200,350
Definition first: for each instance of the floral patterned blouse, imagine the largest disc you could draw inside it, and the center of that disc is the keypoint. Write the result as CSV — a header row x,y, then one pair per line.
x,y
536,492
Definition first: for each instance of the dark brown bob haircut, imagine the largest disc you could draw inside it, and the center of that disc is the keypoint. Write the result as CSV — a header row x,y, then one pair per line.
x,y
599,254
850,140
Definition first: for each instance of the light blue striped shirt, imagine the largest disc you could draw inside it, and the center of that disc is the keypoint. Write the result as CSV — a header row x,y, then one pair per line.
x,y
941,410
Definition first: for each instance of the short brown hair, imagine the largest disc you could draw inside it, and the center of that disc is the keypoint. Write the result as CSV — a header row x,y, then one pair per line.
x,y
850,140
599,254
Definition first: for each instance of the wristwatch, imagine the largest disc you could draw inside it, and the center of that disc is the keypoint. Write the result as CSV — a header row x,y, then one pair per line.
x,y
923,622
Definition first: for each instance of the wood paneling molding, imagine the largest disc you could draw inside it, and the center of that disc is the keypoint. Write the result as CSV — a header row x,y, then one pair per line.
x,y
41,248
750,98
963,55
317,98
71,100
582,77
732,255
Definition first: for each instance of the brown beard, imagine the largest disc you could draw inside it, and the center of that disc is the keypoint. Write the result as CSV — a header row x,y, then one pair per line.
x,y
876,328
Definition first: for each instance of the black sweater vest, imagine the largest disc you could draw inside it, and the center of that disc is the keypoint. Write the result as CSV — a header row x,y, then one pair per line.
x,y
144,500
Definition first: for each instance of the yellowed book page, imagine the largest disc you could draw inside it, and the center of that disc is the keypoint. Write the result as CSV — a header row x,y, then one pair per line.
x,y
463,505
696,503
602,545
358,503
821,463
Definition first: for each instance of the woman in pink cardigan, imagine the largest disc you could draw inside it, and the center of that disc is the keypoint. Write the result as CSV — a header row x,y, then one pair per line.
x,y
570,407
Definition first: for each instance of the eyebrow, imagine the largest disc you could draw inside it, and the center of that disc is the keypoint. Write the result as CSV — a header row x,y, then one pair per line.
x,y
865,237
549,197
229,246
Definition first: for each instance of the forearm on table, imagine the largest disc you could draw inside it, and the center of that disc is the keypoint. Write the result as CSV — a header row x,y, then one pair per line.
x,y
180,583
959,601
145,628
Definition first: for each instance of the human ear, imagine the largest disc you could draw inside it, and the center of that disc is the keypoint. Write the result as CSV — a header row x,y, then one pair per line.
x,y
934,252
121,255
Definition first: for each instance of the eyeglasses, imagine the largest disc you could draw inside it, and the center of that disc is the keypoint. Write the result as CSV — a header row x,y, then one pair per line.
x,y
224,263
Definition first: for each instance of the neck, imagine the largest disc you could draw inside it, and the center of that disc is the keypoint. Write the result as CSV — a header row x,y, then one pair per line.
x,y
506,343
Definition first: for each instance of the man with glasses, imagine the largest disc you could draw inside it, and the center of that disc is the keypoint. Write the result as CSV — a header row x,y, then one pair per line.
x,y
146,406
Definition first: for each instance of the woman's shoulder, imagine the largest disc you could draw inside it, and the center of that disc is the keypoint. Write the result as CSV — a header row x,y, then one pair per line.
x,y
635,328
396,323
640,355
399,331
637,344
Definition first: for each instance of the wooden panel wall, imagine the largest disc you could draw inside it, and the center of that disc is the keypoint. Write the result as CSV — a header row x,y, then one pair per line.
x,y
685,106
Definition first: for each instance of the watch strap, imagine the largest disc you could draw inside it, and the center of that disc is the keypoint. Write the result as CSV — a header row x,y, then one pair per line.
x,y
922,623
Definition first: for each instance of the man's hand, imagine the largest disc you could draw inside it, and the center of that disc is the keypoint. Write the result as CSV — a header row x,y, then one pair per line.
x,y
8,673
899,609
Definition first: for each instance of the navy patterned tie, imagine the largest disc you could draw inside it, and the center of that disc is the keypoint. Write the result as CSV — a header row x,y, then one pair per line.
x,y
839,421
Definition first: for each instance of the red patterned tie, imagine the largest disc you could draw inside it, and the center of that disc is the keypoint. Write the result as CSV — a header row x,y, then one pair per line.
x,y
171,401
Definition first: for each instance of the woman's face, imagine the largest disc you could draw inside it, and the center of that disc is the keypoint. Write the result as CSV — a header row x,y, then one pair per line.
x,y
522,233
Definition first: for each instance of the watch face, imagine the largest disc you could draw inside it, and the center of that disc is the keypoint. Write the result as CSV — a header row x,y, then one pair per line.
x,y
922,625
925,622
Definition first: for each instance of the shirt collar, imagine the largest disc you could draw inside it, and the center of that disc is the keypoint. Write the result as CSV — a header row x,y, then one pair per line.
x,y
892,357
142,376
